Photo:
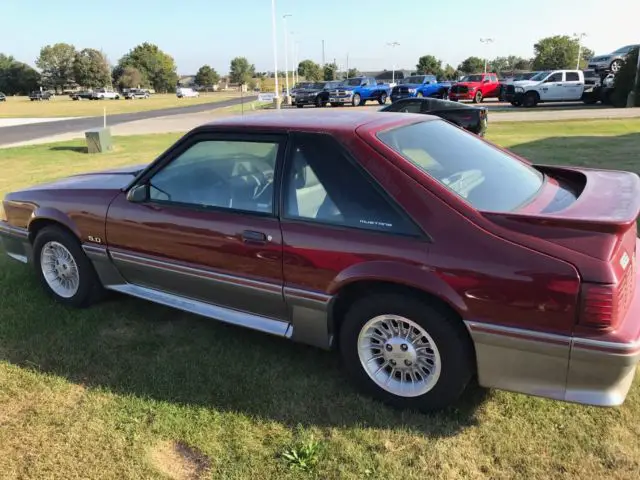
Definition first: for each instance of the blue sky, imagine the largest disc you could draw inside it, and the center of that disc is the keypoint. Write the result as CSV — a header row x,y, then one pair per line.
x,y
195,32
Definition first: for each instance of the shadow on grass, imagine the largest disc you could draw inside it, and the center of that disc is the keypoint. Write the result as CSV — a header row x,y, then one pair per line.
x,y
69,148
136,348
619,152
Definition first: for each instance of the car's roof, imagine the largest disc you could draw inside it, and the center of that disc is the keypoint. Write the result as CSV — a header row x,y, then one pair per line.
x,y
311,120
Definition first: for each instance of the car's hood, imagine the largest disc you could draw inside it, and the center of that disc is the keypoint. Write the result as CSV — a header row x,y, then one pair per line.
x,y
114,179
524,83
309,90
468,84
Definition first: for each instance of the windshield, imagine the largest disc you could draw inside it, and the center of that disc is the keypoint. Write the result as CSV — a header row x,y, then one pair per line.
x,y
540,76
472,78
626,49
481,174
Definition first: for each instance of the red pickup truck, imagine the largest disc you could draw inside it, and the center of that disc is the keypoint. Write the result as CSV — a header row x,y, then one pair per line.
x,y
475,87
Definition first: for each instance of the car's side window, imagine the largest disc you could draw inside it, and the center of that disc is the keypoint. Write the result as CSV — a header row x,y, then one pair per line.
x,y
235,175
323,185
573,77
556,77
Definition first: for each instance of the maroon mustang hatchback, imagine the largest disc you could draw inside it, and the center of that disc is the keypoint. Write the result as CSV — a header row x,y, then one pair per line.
x,y
425,254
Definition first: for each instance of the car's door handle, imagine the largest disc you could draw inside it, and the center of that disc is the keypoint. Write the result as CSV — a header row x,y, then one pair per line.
x,y
253,236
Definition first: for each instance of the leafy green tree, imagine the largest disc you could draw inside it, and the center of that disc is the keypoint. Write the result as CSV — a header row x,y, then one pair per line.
x,y
241,71
130,77
310,70
157,67
352,72
56,64
428,64
472,65
207,76
330,71
91,69
450,73
559,52
17,77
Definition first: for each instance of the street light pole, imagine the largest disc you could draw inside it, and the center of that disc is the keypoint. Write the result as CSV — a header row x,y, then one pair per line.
x,y
275,50
393,66
295,78
286,56
579,37
486,41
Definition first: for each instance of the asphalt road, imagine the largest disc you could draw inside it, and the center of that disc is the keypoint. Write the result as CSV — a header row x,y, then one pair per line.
x,y
24,133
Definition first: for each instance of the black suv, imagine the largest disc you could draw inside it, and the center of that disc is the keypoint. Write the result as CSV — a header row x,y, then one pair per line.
x,y
316,94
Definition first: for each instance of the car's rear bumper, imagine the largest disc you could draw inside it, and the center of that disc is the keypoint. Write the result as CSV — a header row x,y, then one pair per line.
x,y
15,242
592,370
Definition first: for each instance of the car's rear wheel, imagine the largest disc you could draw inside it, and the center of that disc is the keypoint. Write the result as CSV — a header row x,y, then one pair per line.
x,y
63,268
405,352
477,98
383,99
356,100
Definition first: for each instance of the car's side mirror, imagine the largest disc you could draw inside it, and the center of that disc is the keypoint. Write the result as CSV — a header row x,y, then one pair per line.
x,y
138,194
364,84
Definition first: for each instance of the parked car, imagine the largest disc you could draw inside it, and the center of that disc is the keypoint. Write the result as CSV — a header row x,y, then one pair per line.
x,y
547,86
358,90
475,87
316,94
508,80
424,253
612,62
471,118
183,92
420,86
3,97
293,91
105,94
37,96
81,95
136,93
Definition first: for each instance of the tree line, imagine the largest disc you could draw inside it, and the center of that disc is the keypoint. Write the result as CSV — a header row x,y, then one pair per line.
x,y
62,66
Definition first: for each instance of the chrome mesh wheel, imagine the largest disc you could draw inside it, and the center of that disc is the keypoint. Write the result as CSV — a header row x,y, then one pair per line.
x,y
59,269
399,355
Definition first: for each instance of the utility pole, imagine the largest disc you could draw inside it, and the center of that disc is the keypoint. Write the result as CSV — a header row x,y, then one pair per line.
x,y
286,55
347,72
393,67
579,37
486,41
275,50
323,62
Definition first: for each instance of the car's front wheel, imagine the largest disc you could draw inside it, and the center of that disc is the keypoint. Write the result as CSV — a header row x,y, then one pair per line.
x,y
477,98
616,65
63,268
406,352
383,99
357,100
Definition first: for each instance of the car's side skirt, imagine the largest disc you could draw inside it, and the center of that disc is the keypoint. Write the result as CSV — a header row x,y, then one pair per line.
x,y
227,315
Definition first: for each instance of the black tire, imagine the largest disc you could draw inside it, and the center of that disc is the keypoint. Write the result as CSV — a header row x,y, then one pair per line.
x,y
448,333
89,289
516,104
383,99
531,99
299,105
615,66
356,101
478,98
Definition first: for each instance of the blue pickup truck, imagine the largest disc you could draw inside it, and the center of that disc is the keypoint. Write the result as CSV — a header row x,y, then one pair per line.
x,y
358,90
420,86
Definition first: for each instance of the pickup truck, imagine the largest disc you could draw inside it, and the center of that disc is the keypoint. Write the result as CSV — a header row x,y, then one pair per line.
x,y
37,96
475,87
420,86
105,93
547,86
358,90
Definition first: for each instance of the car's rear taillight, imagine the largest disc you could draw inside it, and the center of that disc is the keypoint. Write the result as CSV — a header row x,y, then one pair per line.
x,y
599,306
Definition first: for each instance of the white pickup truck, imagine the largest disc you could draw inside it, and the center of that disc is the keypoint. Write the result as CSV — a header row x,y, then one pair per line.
x,y
547,86
105,93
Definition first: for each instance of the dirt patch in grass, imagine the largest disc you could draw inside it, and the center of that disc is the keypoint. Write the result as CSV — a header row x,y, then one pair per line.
x,y
179,461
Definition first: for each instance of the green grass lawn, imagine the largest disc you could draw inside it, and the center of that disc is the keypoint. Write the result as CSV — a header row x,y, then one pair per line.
x,y
63,106
128,389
